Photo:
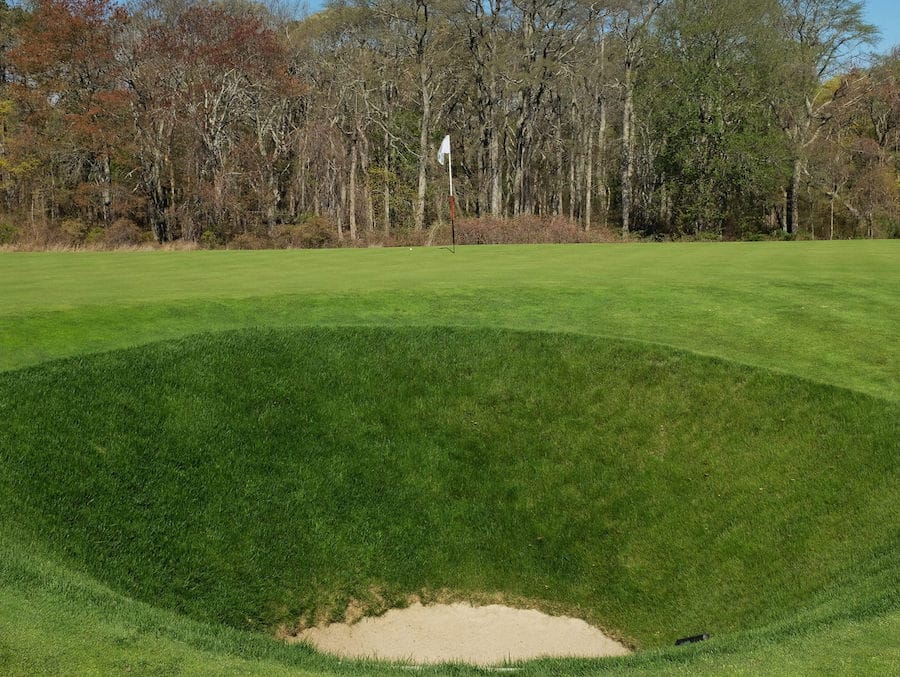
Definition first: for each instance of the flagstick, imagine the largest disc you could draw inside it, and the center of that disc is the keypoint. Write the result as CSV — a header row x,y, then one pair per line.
x,y
452,202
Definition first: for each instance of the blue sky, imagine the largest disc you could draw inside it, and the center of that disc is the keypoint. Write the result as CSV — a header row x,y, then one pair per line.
x,y
883,13
886,15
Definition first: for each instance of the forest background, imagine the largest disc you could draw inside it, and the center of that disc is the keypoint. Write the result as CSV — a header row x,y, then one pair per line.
x,y
244,124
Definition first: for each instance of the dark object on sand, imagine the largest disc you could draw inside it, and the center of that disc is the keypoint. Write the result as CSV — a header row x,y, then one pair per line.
x,y
691,640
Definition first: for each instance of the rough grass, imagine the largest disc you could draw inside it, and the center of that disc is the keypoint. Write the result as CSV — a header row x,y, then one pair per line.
x,y
257,477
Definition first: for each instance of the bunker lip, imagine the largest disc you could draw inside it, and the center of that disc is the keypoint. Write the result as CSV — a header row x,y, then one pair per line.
x,y
462,633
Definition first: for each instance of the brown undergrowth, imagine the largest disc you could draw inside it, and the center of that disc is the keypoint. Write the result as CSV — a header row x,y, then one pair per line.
x,y
314,233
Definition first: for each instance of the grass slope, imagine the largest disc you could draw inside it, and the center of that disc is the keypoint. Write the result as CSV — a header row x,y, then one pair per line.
x,y
695,491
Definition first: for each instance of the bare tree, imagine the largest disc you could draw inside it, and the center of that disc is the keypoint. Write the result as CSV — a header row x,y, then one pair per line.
x,y
823,35
631,21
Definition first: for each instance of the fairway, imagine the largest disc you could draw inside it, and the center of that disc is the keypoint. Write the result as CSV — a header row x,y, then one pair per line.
x,y
201,450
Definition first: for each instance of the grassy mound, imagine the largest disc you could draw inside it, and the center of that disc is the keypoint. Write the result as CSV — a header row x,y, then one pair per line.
x,y
259,477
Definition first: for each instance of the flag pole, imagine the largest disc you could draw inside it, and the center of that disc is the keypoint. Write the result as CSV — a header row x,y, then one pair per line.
x,y
452,202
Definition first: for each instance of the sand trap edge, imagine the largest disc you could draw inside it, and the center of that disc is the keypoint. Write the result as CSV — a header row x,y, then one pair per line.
x,y
487,635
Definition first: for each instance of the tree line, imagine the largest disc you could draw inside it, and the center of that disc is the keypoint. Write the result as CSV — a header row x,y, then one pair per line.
x,y
211,121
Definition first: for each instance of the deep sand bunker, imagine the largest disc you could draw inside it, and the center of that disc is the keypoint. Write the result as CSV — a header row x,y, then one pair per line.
x,y
484,635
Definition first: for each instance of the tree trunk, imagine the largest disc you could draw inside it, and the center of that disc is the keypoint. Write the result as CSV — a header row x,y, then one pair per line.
x,y
370,206
496,176
572,186
560,171
106,191
364,166
424,130
219,195
354,160
157,206
792,223
519,171
601,139
387,183
831,217
338,212
602,189
627,148
663,202
33,203
273,197
484,166
782,217
588,177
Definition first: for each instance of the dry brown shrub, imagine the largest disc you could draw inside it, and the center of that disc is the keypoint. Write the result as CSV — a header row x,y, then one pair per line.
x,y
527,230
175,246
316,232
407,238
42,236
250,241
124,232
288,236
76,229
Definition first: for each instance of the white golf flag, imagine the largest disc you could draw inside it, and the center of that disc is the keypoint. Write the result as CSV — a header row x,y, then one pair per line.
x,y
445,149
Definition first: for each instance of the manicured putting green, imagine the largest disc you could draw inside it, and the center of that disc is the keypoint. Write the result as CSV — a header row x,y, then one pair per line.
x,y
259,477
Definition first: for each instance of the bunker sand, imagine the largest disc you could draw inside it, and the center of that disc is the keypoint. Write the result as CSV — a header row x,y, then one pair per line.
x,y
483,635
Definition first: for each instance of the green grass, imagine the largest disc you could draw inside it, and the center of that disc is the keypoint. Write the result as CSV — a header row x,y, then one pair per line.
x,y
821,310
660,439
